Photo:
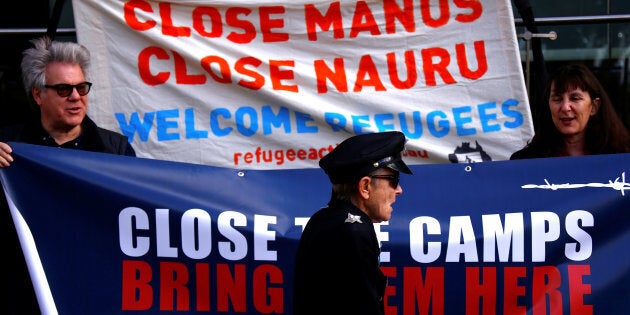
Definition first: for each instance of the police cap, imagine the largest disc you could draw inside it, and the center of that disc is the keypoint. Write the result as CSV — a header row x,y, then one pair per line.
x,y
360,155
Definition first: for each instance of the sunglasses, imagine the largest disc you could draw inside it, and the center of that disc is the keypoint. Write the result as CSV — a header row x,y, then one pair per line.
x,y
64,90
393,179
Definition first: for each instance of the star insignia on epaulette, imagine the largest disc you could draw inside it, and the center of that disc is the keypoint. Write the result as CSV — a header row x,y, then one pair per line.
x,y
353,218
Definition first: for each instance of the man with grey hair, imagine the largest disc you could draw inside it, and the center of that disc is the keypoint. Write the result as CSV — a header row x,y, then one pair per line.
x,y
55,76
55,79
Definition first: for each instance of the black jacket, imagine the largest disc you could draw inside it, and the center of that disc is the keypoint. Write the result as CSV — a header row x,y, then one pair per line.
x,y
92,138
19,296
336,266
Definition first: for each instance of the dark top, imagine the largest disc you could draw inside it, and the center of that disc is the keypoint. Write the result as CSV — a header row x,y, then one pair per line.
x,y
19,296
92,138
336,266
530,153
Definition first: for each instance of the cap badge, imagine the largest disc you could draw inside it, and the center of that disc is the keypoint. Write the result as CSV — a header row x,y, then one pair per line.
x,y
383,160
353,218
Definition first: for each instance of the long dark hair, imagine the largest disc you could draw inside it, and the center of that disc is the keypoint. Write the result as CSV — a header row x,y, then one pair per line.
x,y
605,132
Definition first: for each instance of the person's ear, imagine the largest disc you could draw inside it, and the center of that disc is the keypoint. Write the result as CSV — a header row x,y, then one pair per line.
x,y
595,105
364,186
37,95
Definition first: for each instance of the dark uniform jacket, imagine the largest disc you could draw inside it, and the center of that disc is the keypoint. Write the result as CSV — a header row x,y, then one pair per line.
x,y
19,296
336,267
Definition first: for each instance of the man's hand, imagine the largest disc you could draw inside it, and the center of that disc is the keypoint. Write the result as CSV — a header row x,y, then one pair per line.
x,y
5,155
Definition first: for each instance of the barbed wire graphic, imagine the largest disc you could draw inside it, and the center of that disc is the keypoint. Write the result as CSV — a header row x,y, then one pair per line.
x,y
618,184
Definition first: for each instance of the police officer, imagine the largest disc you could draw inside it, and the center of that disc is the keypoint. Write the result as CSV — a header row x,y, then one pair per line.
x,y
336,267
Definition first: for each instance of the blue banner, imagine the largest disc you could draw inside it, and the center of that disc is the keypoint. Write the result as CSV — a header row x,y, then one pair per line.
x,y
107,234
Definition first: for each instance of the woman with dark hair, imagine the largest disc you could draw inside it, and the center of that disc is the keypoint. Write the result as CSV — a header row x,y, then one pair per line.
x,y
581,119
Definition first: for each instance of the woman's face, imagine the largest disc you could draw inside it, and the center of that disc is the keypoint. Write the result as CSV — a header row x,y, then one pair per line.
x,y
570,111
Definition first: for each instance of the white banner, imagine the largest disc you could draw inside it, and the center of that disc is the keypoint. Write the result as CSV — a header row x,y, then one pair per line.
x,y
268,84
